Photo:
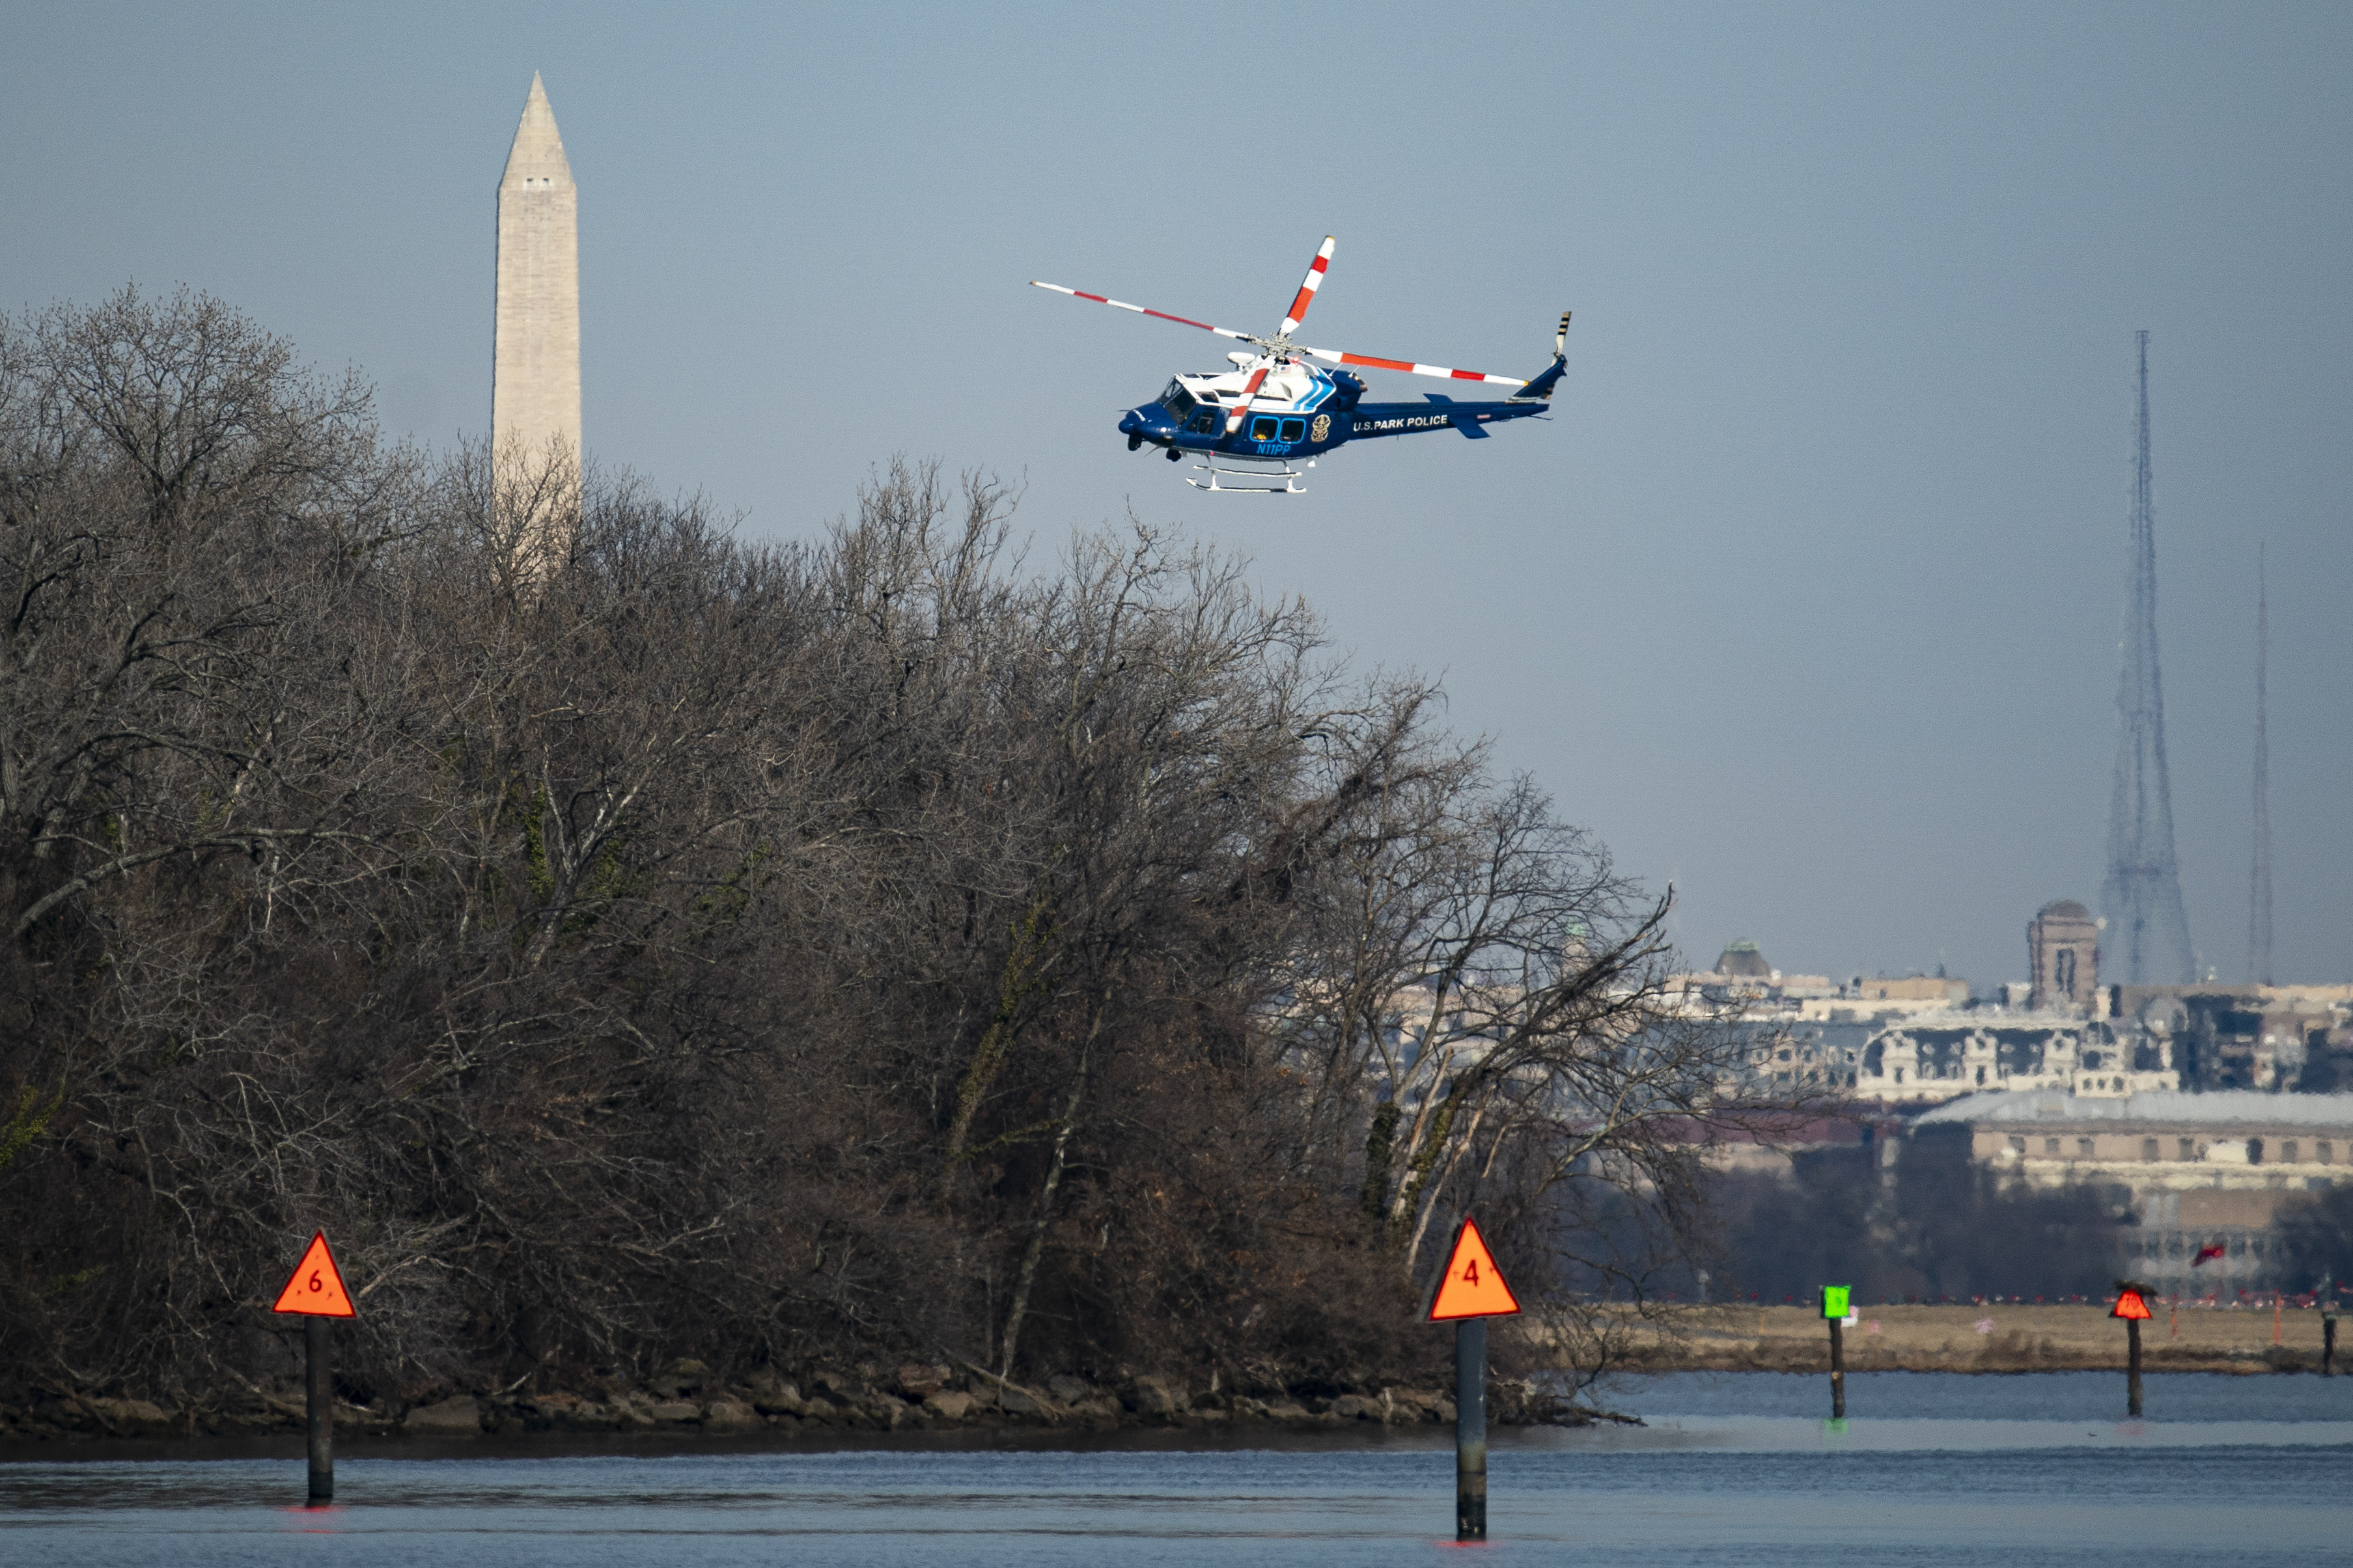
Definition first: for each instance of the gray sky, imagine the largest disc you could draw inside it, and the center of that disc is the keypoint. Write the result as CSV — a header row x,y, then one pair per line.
x,y
1808,598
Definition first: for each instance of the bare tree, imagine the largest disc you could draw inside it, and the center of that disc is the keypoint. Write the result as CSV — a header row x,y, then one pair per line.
x,y
631,940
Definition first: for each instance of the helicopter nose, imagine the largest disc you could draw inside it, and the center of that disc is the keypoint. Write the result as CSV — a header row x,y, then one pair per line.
x,y
1132,422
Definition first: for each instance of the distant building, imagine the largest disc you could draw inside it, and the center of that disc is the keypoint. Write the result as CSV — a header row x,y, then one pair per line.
x,y
1929,1057
1742,974
2193,1170
1922,1040
2197,1112
1934,990
2062,944
1741,961
2248,1037
1939,1056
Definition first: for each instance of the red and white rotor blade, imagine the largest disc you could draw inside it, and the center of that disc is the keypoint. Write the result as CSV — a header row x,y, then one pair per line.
x,y
1142,310
1333,356
1237,412
1313,282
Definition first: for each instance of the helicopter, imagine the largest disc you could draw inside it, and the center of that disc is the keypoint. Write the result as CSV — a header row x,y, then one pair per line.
x,y
1274,409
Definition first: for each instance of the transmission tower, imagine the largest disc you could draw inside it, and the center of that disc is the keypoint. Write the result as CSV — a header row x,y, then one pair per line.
x,y
2259,878
2143,892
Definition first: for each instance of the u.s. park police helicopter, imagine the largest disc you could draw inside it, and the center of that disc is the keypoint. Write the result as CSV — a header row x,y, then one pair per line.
x,y
1273,410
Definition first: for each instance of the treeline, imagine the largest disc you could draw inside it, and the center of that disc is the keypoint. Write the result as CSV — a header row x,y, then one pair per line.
x,y
2315,1240
1930,1224
663,944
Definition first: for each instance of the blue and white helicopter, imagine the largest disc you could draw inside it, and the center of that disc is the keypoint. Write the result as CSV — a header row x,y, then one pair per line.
x,y
1273,410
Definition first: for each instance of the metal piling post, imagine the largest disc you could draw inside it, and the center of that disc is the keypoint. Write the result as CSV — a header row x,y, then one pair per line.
x,y
318,1423
2132,1367
1471,1429
2132,1306
1837,1369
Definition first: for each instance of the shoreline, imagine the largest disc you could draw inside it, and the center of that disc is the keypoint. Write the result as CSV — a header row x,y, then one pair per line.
x,y
685,1402
922,1405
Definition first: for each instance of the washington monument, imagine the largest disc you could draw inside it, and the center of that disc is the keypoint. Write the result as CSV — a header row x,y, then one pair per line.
x,y
535,360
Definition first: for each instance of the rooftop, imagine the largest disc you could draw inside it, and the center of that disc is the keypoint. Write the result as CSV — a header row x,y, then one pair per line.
x,y
1742,958
2236,1107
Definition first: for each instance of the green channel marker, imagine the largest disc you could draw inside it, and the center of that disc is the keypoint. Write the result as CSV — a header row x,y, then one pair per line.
x,y
1834,1300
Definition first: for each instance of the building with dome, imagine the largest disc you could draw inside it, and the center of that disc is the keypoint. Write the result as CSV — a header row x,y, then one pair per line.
x,y
1742,960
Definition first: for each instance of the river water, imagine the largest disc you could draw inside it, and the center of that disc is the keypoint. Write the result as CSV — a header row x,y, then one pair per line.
x,y
1735,1469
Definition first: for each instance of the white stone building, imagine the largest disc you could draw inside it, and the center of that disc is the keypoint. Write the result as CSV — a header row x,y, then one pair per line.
x,y
2196,1170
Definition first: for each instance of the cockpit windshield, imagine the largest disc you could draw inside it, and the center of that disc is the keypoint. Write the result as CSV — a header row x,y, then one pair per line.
x,y
1176,400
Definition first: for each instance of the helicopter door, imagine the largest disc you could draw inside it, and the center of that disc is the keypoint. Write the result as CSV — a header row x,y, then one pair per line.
x,y
1205,421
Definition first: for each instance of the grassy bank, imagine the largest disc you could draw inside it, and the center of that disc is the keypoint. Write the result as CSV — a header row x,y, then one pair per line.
x,y
1985,1339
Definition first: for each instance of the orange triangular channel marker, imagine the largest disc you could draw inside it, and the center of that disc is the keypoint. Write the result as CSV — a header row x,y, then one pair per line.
x,y
1473,1287
317,1288
2130,1305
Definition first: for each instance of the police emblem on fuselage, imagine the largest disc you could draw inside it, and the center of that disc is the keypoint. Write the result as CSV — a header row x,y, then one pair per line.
x,y
1321,428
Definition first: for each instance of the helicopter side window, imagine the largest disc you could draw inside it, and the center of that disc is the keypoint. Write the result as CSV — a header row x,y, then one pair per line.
x,y
1176,400
1262,428
1294,430
1204,423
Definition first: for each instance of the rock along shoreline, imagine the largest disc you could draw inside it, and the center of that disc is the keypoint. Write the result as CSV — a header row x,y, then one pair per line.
x,y
687,1399
875,1403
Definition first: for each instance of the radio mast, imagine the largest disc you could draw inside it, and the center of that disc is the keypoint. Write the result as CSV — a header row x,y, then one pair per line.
x,y
2143,892
2259,878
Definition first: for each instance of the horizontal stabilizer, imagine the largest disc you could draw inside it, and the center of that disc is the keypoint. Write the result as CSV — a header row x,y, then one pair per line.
x,y
1463,422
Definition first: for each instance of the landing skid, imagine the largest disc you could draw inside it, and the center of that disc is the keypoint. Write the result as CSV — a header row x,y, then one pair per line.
x,y
1260,476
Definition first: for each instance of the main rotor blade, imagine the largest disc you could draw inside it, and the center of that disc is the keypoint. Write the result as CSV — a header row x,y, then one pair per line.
x,y
1313,282
1141,311
1250,390
1333,356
